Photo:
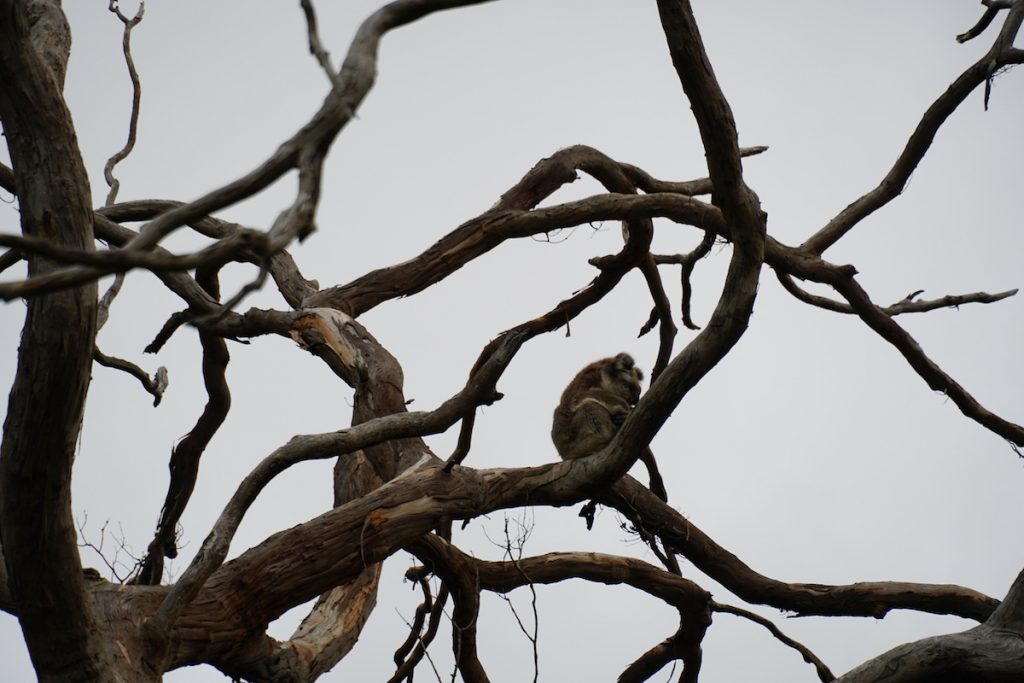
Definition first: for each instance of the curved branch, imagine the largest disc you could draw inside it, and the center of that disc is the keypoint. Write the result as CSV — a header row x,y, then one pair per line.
x,y
687,263
921,139
511,217
155,385
824,674
303,151
185,456
133,123
993,651
458,571
866,599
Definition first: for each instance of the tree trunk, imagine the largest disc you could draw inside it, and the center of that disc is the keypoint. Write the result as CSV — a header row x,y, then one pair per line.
x,y
54,362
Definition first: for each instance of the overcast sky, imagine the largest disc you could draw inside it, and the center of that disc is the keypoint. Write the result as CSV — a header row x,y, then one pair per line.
x,y
813,451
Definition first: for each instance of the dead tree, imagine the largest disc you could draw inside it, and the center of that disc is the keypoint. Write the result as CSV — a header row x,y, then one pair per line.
x,y
391,492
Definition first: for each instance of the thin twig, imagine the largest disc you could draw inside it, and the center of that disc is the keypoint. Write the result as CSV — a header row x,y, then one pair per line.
x,y
133,125
316,47
823,671
908,304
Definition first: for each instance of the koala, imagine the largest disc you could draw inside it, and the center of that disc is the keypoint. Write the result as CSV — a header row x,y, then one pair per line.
x,y
594,406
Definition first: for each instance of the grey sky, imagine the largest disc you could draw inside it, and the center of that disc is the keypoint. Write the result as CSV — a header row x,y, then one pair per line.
x,y
813,452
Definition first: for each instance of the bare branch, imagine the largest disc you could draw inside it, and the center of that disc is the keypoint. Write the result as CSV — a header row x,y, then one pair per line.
x,y
47,399
418,620
992,651
419,650
121,260
103,312
687,263
155,385
691,188
316,48
662,312
185,457
927,369
824,674
684,644
867,599
305,151
458,571
290,282
906,305
979,28
133,125
921,139
9,258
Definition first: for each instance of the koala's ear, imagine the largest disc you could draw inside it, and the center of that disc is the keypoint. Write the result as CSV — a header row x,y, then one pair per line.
x,y
624,361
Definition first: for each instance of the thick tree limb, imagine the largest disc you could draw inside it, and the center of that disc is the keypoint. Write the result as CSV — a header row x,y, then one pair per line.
x,y
992,651
44,416
293,566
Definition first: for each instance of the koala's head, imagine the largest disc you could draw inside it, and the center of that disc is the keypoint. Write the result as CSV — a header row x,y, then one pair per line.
x,y
621,377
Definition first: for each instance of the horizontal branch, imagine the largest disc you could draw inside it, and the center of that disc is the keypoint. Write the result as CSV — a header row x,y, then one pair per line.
x,y
908,304
122,260
298,564
612,570
866,599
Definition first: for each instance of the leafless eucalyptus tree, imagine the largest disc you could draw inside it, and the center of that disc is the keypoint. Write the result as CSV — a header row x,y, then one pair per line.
x,y
391,492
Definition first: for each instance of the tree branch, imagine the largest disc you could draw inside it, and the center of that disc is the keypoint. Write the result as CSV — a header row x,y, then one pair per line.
x,y
133,123
920,140
866,599
155,385
992,651
44,416
931,373
824,674
905,305
304,151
